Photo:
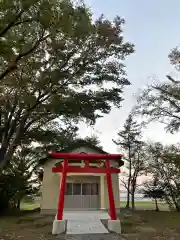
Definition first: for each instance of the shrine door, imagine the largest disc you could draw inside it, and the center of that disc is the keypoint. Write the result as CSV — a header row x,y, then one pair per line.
x,y
82,195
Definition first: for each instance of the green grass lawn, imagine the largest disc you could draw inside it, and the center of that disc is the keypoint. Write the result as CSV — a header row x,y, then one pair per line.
x,y
144,205
29,206
147,205
140,203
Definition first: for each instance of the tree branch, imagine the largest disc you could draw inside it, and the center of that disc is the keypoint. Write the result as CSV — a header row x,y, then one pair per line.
x,y
12,66
11,130
26,21
5,159
125,185
11,24
11,113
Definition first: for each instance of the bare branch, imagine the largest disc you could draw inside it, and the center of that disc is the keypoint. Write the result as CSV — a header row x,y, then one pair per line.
x,y
125,185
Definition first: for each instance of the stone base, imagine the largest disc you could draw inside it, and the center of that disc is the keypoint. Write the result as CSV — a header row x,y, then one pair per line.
x,y
59,226
114,226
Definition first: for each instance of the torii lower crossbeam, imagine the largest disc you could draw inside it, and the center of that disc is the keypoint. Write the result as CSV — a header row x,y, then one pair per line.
x,y
107,169
86,170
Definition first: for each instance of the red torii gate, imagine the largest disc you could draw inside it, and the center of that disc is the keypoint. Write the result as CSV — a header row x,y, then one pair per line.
x,y
64,169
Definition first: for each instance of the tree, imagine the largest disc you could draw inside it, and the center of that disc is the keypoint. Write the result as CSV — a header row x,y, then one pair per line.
x,y
18,179
64,60
22,177
51,137
129,140
138,168
154,191
94,140
164,165
160,101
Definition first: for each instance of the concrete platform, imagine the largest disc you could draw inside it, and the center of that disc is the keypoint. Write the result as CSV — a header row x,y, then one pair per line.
x,y
85,222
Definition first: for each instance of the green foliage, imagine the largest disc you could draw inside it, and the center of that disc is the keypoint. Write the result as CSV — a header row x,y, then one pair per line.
x,y
161,100
154,192
164,165
18,179
56,62
130,143
94,140
129,136
22,177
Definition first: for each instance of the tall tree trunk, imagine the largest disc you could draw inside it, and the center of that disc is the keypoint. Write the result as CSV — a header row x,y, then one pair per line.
x,y
177,207
133,183
132,199
18,203
169,202
133,193
128,199
2,156
174,200
157,207
4,206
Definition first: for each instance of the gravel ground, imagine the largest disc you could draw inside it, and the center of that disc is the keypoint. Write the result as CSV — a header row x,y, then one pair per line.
x,y
38,227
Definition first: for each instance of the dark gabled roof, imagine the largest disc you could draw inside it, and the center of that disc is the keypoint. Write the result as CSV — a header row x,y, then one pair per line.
x,y
82,143
78,144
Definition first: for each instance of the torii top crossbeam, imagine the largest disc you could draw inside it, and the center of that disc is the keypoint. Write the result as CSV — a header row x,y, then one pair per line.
x,y
61,155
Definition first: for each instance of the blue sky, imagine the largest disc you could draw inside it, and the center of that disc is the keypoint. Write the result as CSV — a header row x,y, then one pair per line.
x,y
153,26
